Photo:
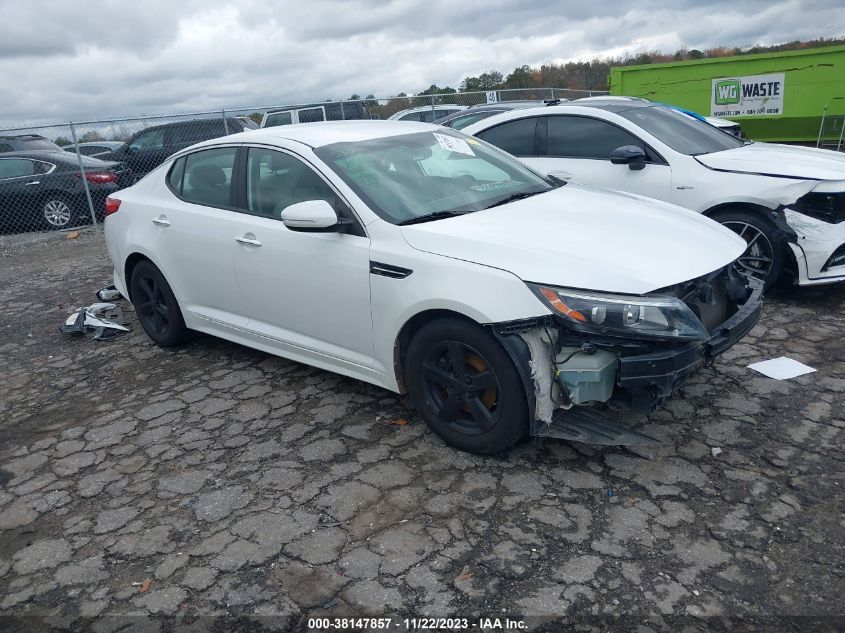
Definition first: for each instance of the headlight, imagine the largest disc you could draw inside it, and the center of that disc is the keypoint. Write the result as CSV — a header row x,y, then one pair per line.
x,y
620,315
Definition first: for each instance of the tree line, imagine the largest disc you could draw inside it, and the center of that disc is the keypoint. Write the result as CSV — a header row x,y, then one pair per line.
x,y
595,73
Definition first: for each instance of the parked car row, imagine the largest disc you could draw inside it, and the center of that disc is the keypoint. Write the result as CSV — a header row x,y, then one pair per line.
x,y
41,184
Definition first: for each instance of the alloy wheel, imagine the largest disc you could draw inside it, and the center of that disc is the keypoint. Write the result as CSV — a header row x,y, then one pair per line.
x,y
758,258
57,213
461,388
152,306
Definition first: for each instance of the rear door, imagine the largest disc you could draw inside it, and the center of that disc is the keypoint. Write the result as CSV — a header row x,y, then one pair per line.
x,y
518,137
575,147
192,229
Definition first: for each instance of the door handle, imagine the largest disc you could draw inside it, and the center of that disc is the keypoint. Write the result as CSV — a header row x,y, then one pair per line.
x,y
161,221
245,239
34,182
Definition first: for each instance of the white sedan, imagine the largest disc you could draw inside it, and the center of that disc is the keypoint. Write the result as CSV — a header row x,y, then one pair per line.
x,y
422,260
787,202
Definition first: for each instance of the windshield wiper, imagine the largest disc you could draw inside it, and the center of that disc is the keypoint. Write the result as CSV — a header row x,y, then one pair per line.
x,y
513,197
428,217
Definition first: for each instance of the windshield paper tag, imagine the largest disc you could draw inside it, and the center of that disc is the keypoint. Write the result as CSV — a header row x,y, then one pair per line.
x,y
453,144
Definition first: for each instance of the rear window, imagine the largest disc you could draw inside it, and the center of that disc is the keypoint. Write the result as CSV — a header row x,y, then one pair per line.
x,y
208,177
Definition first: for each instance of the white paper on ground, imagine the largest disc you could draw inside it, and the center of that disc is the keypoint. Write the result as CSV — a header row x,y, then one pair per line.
x,y
781,368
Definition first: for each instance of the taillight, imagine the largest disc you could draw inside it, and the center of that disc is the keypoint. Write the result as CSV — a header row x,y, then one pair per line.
x,y
112,205
99,177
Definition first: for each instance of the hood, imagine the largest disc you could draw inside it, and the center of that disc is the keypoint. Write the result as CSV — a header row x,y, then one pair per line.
x,y
779,160
579,237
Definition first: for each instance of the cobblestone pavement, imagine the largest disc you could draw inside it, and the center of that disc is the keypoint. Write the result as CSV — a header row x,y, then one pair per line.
x,y
218,480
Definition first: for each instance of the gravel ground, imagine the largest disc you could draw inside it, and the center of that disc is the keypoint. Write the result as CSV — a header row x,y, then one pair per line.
x,y
215,480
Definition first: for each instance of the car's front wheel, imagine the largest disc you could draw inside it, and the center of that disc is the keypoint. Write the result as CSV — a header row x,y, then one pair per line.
x,y
156,306
765,252
466,387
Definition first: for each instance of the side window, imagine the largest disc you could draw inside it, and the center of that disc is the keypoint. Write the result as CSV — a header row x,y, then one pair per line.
x,y
583,137
278,118
89,150
5,147
276,180
174,178
411,116
208,177
151,139
16,168
515,137
311,115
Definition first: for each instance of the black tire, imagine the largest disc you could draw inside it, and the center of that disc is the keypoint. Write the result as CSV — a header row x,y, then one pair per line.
x,y
764,243
466,387
156,306
58,212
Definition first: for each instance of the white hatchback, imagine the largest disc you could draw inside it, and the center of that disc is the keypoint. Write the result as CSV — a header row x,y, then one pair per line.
x,y
422,260
786,202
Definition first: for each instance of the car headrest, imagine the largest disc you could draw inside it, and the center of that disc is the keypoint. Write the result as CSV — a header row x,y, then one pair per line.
x,y
207,176
279,162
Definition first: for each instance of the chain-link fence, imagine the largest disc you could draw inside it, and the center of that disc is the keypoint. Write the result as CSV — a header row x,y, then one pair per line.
x,y
56,177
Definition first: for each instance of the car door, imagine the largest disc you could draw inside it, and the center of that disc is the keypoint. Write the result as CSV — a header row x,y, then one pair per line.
x,y
192,235
575,147
309,292
20,191
517,137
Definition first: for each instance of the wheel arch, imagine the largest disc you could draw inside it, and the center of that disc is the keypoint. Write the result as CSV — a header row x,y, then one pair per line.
x,y
736,206
411,327
129,265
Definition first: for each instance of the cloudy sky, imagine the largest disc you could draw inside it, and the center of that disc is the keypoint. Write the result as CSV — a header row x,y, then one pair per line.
x,y
62,59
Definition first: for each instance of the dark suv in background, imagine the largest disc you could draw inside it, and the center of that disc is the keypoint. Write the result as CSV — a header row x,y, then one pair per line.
x,y
150,147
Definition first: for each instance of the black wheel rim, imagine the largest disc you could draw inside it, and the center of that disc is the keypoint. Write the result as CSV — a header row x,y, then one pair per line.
x,y
461,388
152,307
759,255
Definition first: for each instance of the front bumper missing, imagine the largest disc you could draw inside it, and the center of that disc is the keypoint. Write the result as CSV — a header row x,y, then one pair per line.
x,y
648,380
651,379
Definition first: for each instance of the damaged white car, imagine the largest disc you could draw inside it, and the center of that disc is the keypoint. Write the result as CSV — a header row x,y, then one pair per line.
x,y
418,259
786,202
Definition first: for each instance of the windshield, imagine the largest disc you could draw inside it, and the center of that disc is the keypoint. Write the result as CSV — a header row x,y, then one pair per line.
x,y
413,175
682,133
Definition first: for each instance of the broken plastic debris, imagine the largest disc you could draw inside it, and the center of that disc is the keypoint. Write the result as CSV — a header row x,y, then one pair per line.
x,y
715,451
781,368
105,320
73,235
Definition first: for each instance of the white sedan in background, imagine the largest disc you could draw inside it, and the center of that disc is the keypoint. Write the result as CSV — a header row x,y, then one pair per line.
x,y
422,260
786,202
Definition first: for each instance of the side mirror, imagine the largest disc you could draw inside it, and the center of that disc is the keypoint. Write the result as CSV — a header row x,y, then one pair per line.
x,y
313,216
630,155
129,149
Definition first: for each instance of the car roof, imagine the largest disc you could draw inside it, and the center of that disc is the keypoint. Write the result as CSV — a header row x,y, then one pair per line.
x,y
22,137
323,133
